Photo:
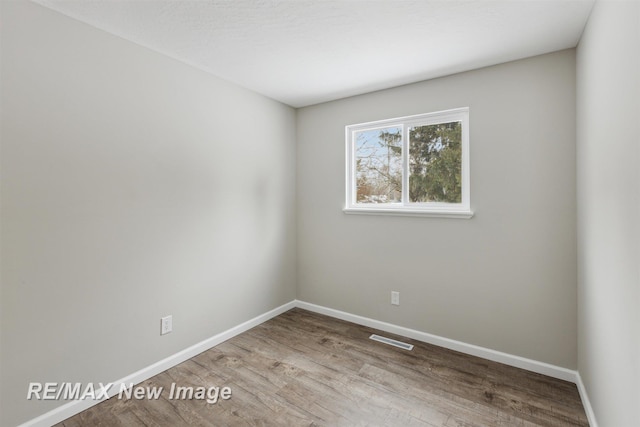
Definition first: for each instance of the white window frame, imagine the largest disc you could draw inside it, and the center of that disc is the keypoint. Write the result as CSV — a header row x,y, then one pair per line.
x,y
405,208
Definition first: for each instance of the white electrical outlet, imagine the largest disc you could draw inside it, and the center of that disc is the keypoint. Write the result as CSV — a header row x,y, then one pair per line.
x,y
395,298
166,325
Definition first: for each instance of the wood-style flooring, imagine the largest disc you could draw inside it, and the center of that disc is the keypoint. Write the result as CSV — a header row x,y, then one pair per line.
x,y
305,369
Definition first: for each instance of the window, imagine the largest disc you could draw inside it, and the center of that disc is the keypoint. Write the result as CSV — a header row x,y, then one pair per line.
x,y
416,165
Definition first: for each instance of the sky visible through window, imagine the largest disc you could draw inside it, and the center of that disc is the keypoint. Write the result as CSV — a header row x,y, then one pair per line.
x,y
379,165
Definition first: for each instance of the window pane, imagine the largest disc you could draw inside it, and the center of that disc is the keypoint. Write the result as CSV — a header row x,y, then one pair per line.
x,y
435,163
378,156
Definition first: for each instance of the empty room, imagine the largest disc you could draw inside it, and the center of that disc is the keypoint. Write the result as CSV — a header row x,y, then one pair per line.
x,y
320,213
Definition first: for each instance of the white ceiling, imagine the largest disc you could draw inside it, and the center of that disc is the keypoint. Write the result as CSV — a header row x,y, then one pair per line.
x,y
303,52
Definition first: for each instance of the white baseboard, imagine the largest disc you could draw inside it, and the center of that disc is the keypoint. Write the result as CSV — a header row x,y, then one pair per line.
x,y
474,350
591,416
76,406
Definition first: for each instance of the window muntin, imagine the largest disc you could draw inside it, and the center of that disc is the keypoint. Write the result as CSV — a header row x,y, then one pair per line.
x,y
416,165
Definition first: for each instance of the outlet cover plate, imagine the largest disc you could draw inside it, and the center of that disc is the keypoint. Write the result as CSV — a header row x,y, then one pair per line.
x,y
166,325
395,298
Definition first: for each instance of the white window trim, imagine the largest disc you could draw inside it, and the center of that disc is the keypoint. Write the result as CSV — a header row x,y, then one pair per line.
x,y
404,208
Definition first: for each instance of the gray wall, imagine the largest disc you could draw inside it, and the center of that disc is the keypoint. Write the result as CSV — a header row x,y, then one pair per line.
x,y
133,187
505,279
608,148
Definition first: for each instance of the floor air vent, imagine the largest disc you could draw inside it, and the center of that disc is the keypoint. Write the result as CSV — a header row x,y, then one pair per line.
x,y
389,341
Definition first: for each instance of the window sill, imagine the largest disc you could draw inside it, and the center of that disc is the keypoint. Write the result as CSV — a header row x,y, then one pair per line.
x,y
434,213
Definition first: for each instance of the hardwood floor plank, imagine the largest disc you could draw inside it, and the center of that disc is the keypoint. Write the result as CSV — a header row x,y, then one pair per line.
x,y
306,369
